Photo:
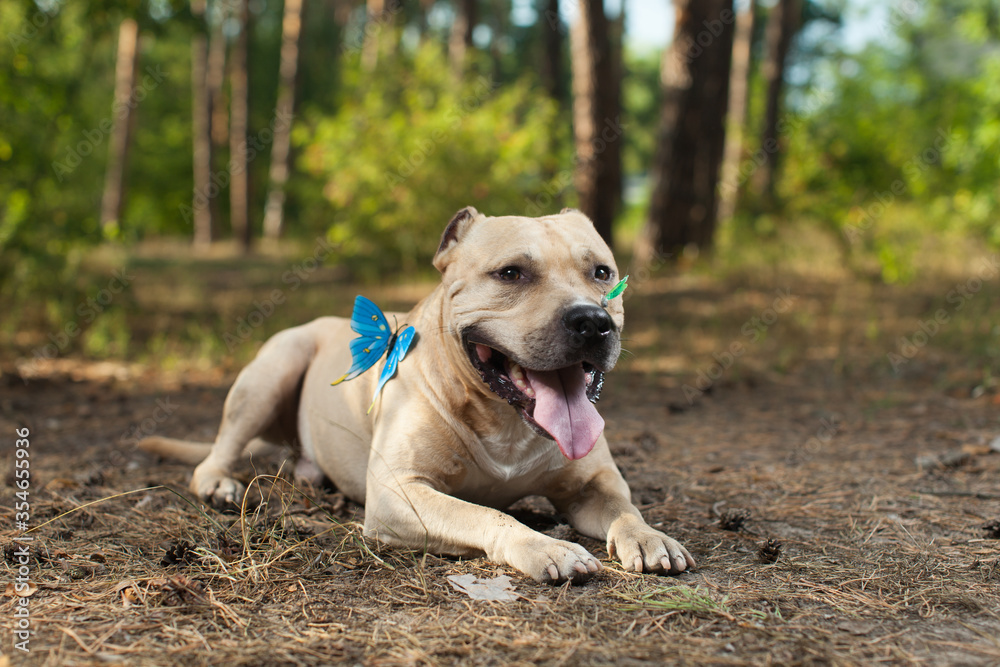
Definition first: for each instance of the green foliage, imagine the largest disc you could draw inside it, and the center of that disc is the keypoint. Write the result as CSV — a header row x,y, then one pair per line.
x,y
894,151
678,598
56,93
50,190
909,130
411,145
641,102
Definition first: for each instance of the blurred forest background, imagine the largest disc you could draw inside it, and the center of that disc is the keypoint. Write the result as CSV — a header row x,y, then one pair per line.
x,y
248,147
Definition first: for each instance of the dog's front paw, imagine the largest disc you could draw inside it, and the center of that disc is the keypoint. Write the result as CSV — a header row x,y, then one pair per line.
x,y
554,561
216,488
641,548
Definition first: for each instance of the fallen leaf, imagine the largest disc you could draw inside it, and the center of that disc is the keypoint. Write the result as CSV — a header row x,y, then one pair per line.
x,y
498,588
26,590
129,593
129,598
61,484
856,628
122,585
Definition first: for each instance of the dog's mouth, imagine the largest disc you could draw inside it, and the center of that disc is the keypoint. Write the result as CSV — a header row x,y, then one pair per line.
x,y
558,404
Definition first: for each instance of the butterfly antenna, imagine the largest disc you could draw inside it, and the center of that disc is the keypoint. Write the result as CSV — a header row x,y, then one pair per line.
x,y
615,291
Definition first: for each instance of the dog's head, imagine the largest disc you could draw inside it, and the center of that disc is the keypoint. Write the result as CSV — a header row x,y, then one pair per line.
x,y
524,298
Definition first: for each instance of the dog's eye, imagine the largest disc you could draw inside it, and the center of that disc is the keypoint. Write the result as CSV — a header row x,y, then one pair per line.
x,y
509,274
602,273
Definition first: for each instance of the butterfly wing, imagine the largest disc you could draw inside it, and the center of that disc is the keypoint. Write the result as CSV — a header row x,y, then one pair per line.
x,y
403,341
618,289
373,331
368,319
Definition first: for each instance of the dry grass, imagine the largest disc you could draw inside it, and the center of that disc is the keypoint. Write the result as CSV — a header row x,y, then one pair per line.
x,y
808,439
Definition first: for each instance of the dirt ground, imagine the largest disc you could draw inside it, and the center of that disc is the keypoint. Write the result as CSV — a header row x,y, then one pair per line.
x,y
878,491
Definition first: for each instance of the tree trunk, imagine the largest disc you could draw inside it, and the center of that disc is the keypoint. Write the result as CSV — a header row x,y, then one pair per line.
x,y
215,79
596,118
617,41
500,25
424,8
461,35
239,106
736,116
121,131
552,57
274,210
377,18
685,173
782,24
201,132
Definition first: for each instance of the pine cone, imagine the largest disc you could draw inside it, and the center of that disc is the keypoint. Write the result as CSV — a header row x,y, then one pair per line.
x,y
769,551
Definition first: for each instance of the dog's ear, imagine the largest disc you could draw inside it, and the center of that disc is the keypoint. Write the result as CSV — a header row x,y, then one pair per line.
x,y
576,213
453,233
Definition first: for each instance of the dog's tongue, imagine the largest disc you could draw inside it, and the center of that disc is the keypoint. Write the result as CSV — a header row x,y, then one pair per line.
x,y
562,409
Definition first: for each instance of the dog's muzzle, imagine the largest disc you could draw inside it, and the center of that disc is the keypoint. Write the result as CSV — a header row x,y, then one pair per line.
x,y
556,402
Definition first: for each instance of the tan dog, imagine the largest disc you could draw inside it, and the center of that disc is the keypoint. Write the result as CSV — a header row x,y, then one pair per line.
x,y
492,403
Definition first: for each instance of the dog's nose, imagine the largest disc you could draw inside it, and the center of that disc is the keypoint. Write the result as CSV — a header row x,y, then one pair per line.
x,y
591,323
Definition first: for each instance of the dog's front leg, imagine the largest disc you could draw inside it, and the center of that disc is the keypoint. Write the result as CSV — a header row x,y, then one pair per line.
x,y
408,512
597,502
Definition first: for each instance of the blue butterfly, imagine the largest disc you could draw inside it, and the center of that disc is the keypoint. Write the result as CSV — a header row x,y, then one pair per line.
x,y
374,338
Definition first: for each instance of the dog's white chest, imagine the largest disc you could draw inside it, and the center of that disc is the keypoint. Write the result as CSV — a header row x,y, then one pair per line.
x,y
507,467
